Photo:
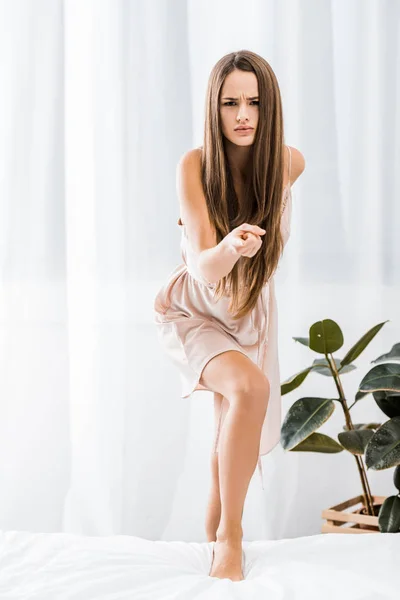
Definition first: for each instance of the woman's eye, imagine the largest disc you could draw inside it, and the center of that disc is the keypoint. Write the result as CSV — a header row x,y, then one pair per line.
x,y
232,102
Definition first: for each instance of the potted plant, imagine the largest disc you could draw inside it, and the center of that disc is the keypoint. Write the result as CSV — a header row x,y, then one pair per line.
x,y
379,443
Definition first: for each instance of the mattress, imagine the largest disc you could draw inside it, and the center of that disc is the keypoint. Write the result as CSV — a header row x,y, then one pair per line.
x,y
60,566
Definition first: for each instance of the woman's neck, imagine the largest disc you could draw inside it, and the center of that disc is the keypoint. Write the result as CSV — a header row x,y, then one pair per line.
x,y
238,159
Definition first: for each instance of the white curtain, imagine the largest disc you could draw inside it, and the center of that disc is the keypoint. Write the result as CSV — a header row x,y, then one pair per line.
x,y
99,99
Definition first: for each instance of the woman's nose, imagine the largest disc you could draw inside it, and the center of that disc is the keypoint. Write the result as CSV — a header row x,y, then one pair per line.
x,y
242,112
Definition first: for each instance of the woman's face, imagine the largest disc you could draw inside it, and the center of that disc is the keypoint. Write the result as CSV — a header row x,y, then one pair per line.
x,y
239,99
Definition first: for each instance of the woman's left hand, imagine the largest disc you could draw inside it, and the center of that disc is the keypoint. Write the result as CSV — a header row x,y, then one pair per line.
x,y
257,241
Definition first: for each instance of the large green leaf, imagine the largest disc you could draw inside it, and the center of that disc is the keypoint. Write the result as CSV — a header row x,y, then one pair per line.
x,y
383,450
359,395
388,402
394,354
325,336
303,418
318,442
362,343
356,440
385,377
303,340
396,477
389,515
294,381
321,365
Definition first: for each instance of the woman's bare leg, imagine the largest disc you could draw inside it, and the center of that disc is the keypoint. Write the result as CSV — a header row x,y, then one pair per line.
x,y
245,386
213,513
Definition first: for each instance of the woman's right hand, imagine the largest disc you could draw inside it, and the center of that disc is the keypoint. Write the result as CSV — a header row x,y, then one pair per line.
x,y
245,240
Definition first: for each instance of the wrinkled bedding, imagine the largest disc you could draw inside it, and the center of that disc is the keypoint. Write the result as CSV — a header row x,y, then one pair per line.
x,y
61,566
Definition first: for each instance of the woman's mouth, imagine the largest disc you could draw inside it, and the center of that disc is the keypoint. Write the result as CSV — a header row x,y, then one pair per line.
x,y
242,131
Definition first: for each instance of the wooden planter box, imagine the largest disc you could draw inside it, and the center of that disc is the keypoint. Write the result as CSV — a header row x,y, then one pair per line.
x,y
340,520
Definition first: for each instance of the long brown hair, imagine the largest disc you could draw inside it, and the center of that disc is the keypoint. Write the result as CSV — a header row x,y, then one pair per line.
x,y
262,203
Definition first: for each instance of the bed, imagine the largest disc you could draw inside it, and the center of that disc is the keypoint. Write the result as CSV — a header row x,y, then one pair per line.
x,y
61,566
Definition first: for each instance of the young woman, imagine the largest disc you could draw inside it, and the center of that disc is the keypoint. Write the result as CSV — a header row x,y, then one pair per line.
x,y
216,314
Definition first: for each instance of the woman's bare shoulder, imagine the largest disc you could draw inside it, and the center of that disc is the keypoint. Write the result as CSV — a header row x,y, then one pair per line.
x,y
190,156
298,164
193,203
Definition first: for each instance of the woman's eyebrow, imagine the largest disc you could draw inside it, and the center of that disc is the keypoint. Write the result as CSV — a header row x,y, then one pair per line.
x,y
229,98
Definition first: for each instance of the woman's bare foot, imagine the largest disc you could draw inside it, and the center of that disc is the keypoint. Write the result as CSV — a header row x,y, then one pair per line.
x,y
227,560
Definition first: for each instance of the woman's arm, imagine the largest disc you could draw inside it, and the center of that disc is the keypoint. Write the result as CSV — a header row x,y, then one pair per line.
x,y
214,260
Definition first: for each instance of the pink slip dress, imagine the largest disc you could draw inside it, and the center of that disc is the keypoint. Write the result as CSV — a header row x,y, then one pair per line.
x,y
192,328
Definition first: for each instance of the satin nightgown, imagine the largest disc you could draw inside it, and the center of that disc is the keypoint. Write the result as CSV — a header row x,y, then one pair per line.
x,y
193,328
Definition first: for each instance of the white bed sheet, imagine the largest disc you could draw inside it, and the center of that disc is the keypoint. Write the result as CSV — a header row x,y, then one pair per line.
x,y
61,566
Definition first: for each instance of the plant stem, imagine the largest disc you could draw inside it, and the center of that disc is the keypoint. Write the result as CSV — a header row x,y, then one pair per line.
x,y
368,500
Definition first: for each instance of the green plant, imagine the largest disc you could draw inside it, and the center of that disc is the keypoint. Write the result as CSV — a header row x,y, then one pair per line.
x,y
379,442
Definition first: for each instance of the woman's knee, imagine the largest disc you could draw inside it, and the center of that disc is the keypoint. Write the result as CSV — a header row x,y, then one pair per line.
x,y
238,379
250,391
